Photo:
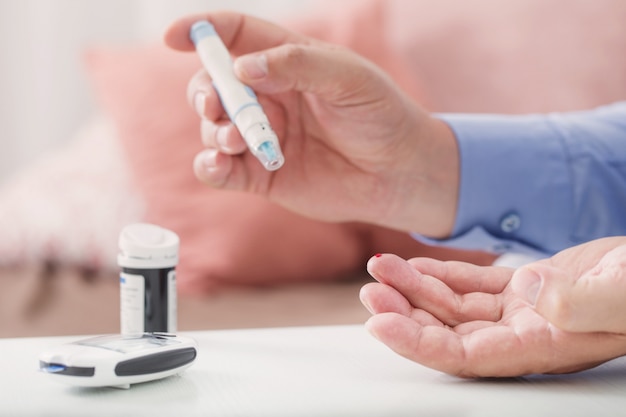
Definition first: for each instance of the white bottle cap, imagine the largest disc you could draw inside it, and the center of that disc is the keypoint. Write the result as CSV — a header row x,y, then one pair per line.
x,y
147,246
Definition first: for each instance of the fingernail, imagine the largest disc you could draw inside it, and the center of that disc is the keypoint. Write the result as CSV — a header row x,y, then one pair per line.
x,y
207,159
369,326
367,306
221,137
199,103
527,284
252,66
364,301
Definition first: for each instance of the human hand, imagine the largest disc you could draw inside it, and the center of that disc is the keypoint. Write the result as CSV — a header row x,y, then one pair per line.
x,y
356,147
562,314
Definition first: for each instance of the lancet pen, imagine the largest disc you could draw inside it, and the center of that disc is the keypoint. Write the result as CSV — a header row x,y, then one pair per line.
x,y
238,100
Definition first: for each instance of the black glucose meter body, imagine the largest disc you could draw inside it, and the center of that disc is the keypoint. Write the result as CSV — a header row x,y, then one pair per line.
x,y
119,360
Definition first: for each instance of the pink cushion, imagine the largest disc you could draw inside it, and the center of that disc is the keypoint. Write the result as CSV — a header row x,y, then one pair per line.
x,y
225,236
514,56
452,55
479,55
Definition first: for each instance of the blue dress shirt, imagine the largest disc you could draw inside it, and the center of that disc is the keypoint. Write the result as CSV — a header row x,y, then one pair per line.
x,y
538,184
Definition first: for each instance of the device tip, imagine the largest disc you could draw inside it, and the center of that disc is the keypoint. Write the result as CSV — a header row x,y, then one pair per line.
x,y
51,368
270,156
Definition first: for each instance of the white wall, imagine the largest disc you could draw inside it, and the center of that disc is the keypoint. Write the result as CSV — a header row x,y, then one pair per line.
x,y
43,92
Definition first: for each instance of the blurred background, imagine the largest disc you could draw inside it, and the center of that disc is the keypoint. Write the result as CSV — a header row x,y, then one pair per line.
x,y
45,96
66,191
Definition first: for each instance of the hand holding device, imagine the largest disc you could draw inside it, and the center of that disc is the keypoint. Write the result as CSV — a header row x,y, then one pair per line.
x,y
238,100
362,149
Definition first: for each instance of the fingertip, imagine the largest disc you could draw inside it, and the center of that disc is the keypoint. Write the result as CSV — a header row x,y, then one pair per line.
x,y
176,36
223,136
368,287
371,326
229,140
392,329
228,24
212,167
384,267
364,296
381,298
372,260
380,325
375,260
203,98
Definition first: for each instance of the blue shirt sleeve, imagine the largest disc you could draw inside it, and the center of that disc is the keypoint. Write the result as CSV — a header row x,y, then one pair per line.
x,y
537,184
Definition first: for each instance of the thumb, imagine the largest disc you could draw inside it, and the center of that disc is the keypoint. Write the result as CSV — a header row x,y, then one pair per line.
x,y
332,72
591,302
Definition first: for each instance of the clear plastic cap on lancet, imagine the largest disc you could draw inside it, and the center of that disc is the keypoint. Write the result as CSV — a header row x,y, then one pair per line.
x,y
268,151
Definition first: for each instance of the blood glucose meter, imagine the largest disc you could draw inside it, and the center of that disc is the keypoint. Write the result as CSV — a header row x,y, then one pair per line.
x,y
119,360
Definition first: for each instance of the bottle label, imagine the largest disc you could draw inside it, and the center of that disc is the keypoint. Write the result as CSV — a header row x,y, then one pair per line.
x,y
132,294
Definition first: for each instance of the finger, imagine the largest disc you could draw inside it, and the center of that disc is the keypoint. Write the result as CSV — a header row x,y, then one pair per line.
x,y
431,294
441,348
230,172
222,135
489,351
529,347
212,167
463,277
427,345
327,71
240,33
587,303
203,98
381,298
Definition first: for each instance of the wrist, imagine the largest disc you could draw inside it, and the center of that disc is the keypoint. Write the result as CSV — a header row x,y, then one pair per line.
x,y
427,191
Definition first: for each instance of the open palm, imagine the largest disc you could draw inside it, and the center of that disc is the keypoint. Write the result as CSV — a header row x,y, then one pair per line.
x,y
468,320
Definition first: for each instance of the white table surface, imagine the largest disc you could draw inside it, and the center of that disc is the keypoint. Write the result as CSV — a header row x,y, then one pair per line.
x,y
304,371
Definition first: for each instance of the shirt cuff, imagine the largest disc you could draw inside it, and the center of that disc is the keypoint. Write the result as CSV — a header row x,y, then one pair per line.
x,y
514,182
477,238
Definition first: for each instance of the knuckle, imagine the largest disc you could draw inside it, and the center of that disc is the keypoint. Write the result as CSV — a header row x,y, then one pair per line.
x,y
295,54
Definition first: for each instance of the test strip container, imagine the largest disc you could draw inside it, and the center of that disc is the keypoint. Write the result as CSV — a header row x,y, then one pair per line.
x,y
148,257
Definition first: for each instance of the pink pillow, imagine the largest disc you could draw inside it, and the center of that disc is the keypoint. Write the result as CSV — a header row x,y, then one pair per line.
x,y
226,237
478,55
515,56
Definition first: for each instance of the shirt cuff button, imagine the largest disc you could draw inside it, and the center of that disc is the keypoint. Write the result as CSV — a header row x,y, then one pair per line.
x,y
510,222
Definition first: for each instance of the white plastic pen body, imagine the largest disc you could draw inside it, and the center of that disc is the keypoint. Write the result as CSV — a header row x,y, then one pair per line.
x,y
238,100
